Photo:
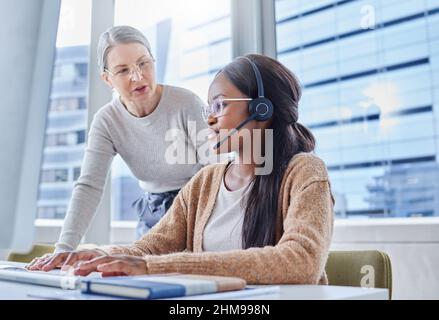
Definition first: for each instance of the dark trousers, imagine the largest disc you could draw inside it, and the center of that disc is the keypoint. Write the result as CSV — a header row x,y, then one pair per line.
x,y
150,208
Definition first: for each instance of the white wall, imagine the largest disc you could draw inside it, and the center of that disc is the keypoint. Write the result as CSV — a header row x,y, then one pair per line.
x,y
28,37
413,247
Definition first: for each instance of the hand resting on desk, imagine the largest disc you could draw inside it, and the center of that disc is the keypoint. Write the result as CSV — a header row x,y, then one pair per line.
x,y
63,259
85,262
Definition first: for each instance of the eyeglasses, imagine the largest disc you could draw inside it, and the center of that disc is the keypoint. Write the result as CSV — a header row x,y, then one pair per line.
x,y
216,108
127,72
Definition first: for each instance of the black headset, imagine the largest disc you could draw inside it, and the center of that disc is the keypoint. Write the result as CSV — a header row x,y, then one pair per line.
x,y
260,108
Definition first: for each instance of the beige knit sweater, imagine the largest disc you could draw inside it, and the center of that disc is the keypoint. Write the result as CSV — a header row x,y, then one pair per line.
x,y
303,232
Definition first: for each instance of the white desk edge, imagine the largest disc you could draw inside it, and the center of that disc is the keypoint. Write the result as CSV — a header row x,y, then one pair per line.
x,y
21,291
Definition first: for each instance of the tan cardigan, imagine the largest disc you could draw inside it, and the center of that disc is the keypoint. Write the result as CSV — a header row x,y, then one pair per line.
x,y
303,232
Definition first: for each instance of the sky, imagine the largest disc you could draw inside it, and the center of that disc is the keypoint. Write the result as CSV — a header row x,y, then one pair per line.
x,y
75,19
75,23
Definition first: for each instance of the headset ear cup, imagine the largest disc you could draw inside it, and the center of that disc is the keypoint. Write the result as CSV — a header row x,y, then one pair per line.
x,y
262,108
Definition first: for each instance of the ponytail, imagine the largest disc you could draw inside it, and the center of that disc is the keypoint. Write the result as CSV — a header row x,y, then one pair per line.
x,y
290,138
304,138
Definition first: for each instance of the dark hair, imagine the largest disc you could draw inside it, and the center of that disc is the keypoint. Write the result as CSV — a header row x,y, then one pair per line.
x,y
289,138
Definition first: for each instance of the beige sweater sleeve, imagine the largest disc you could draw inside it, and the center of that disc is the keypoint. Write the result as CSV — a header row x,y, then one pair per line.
x,y
167,236
299,257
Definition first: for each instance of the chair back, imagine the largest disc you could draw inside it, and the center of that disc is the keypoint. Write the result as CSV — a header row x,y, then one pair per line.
x,y
37,250
370,269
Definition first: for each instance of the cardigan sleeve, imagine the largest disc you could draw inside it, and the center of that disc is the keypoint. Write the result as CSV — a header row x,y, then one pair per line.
x,y
174,231
168,235
298,258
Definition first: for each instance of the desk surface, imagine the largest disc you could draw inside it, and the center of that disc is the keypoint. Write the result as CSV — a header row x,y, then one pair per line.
x,y
20,291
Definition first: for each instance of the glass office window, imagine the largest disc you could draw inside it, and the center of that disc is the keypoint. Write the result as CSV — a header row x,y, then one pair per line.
x,y
370,74
67,118
51,212
76,173
54,175
191,41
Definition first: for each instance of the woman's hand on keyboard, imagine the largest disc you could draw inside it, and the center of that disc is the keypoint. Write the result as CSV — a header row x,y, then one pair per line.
x,y
63,259
114,265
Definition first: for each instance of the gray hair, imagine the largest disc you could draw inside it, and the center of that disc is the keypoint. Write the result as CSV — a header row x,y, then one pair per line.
x,y
118,35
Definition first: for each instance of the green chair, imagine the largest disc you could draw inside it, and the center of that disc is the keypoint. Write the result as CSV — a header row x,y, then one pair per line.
x,y
37,251
360,269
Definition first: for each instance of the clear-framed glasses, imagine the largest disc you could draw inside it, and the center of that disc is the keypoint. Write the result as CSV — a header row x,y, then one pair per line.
x,y
127,72
217,106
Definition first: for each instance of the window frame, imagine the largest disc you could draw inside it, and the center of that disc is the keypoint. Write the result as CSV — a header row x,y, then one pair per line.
x,y
48,230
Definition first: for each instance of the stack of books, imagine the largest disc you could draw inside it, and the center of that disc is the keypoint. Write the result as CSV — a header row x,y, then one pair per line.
x,y
161,286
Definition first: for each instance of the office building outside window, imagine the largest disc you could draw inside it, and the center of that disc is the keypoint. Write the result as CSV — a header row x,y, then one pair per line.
x,y
67,118
370,73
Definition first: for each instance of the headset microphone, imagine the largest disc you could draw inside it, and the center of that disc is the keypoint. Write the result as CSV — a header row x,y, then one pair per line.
x,y
260,108
234,130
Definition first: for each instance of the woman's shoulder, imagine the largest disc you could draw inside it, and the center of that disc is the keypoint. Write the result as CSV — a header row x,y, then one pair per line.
x,y
208,176
305,168
209,171
183,96
179,91
107,111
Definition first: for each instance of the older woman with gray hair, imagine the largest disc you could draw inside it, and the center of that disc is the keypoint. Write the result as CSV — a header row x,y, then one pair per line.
x,y
134,125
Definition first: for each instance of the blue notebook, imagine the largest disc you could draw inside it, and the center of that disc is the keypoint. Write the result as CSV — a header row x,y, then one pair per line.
x,y
160,286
